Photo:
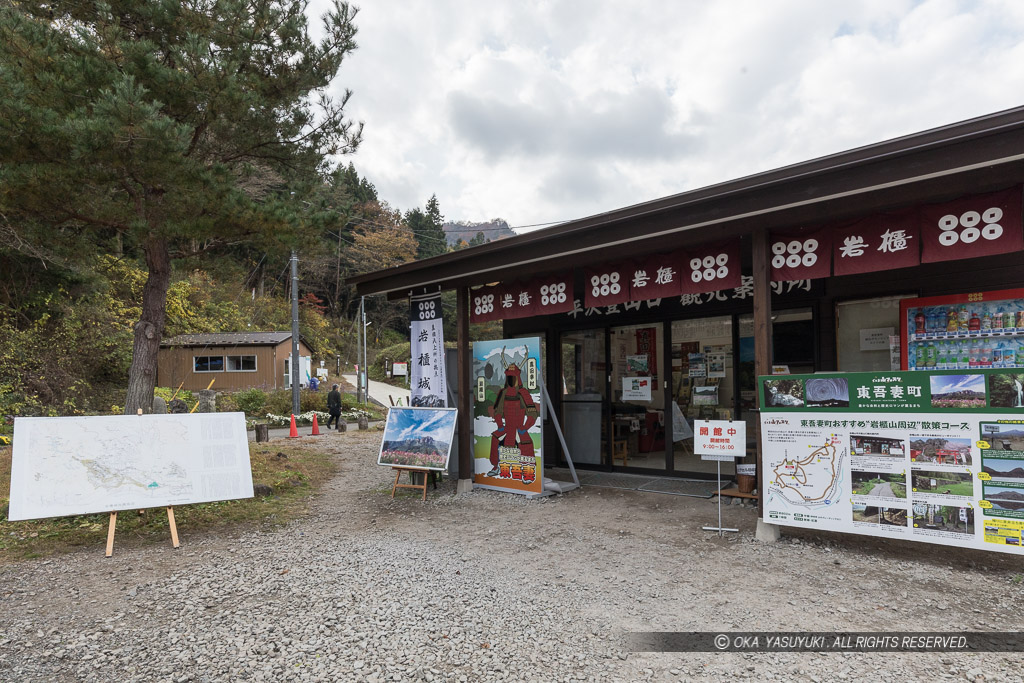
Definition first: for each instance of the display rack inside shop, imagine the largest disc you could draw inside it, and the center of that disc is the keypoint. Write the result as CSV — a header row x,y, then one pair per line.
x,y
973,335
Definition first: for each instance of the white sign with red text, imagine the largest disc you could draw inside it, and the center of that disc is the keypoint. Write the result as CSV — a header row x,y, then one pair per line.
x,y
719,439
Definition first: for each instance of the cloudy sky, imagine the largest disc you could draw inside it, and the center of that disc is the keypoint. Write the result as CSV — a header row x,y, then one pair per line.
x,y
544,111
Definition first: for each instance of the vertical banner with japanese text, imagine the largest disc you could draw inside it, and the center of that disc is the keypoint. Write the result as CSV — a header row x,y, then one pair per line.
x,y
936,457
427,378
508,441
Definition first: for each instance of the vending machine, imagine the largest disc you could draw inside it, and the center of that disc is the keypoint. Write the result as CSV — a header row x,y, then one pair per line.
x,y
980,330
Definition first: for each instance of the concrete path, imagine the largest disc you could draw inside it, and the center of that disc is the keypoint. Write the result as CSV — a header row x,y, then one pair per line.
x,y
381,391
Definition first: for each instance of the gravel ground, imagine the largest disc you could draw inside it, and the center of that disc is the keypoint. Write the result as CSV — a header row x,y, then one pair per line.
x,y
491,586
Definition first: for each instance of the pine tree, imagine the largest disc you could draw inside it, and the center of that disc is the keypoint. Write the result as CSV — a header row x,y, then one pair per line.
x,y
170,126
427,227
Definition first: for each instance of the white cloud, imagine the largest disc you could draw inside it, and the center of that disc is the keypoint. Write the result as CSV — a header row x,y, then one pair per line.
x,y
545,111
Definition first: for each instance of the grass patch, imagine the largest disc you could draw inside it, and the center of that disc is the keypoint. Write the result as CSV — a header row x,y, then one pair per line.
x,y
293,478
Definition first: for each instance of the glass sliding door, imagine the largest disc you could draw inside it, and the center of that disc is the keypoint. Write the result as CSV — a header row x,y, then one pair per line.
x,y
703,384
584,394
637,397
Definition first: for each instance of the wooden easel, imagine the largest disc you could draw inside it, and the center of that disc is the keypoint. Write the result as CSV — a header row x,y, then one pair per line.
x,y
170,522
170,512
412,475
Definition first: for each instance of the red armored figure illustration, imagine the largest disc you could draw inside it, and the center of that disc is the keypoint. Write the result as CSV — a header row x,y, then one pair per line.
x,y
514,412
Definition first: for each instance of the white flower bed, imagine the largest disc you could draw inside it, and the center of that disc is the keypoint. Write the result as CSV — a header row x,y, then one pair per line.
x,y
305,418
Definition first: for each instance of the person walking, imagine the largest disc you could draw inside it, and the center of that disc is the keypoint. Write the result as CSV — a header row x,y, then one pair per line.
x,y
334,407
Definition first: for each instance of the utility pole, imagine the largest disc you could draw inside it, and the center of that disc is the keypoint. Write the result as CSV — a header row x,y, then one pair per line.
x,y
359,355
366,381
295,333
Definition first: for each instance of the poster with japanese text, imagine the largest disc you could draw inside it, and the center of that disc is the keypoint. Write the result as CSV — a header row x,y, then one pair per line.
x,y
507,425
427,381
936,457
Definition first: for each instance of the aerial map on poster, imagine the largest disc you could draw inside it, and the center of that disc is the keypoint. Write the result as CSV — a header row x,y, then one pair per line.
x,y
82,465
925,456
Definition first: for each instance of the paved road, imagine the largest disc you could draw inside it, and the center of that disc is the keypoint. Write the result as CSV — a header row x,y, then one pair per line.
x,y
282,432
381,391
883,490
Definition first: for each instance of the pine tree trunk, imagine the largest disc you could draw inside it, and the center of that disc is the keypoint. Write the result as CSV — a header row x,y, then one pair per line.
x,y
150,328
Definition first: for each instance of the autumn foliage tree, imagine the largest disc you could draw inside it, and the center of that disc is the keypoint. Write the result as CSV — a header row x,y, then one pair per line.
x,y
167,128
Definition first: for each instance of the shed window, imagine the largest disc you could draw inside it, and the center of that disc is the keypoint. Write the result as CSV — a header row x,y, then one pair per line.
x,y
241,363
208,363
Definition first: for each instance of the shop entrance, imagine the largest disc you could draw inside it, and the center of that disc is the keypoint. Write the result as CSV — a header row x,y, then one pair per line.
x,y
630,393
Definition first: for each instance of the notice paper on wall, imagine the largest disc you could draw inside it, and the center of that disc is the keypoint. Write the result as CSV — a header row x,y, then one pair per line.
x,y
636,388
698,365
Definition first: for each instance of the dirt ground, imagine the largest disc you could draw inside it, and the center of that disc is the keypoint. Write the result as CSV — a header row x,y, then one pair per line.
x,y
629,561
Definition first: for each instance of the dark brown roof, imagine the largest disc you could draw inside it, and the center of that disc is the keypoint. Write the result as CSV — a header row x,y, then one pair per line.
x,y
229,339
973,156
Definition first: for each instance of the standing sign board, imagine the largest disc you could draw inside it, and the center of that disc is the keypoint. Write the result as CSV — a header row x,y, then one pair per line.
x,y
721,440
427,386
923,456
507,425
400,369
83,465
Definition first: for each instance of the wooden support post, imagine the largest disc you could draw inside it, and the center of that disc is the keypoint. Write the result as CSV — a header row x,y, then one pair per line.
x,y
110,534
465,423
762,336
174,527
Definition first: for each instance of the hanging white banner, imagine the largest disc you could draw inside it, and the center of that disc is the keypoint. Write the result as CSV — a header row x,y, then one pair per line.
x,y
427,381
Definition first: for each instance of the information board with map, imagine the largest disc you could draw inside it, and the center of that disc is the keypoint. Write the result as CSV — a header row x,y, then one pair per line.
x,y
83,465
924,456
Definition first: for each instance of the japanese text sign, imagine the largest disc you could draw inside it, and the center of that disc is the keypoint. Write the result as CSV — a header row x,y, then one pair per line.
x,y
656,276
719,439
880,242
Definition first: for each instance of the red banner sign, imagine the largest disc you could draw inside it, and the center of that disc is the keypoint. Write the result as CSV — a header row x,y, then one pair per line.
x,y
803,255
982,225
607,285
515,300
484,304
712,268
882,242
553,293
656,276
647,343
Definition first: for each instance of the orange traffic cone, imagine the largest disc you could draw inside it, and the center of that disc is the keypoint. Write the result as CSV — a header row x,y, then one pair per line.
x,y
293,433
316,427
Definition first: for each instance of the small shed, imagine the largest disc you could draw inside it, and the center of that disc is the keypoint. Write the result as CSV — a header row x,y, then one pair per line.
x,y
236,360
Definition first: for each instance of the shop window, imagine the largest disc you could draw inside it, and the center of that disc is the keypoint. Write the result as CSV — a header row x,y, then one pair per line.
x,y
241,363
793,340
863,329
208,363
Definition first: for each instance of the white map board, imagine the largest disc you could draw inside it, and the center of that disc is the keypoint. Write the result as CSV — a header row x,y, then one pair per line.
x,y
82,465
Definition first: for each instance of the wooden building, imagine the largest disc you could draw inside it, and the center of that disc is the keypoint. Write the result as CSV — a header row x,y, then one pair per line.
x,y
802,266
234,360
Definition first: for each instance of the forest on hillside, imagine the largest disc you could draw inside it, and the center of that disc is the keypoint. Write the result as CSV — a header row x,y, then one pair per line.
x,y
151,187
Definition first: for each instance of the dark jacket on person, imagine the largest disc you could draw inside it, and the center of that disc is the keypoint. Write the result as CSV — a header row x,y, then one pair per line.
x,y
334,402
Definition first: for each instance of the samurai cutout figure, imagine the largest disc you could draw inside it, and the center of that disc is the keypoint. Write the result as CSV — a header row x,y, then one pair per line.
x,y
514,412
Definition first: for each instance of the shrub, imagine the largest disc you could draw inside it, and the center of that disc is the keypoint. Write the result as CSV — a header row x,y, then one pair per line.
x,y
251,401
